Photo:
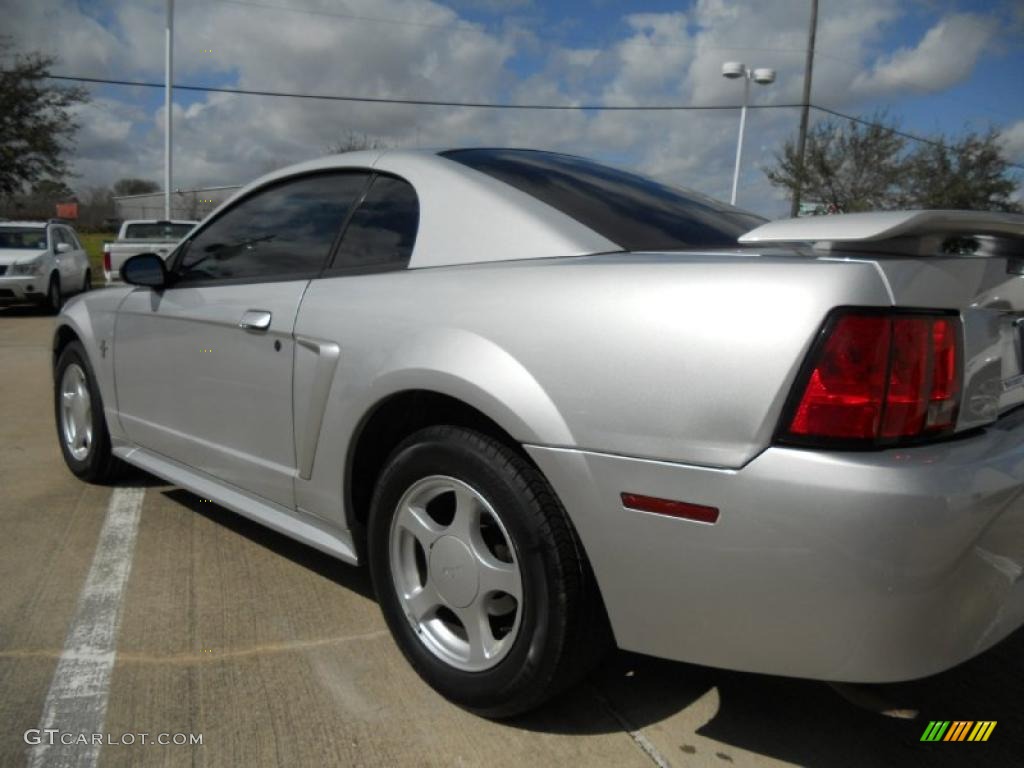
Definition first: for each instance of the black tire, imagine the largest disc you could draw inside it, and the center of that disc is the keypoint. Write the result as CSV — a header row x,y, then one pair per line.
x,y
100,465
87,281
563,631
54,297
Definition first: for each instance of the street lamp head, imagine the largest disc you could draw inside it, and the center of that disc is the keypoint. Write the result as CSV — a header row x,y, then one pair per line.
x,y
733,69
764,76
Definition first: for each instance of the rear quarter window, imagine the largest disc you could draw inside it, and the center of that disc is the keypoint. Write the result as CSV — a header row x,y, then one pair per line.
x,y
633,211
382,231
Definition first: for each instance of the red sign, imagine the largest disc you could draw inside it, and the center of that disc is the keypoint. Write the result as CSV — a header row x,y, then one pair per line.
x,y
67,210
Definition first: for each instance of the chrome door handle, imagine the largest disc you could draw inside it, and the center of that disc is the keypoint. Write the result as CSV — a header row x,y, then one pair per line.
x,y
255,320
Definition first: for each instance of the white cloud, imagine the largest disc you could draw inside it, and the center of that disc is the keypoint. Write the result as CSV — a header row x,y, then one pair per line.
x,y
1011,139
945,56
662,58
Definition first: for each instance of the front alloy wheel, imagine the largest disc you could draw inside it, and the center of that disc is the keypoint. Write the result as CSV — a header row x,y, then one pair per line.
x,y
479,573
75,404
78,411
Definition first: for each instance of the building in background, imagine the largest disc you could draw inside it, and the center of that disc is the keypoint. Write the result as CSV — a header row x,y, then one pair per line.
x,y
185,203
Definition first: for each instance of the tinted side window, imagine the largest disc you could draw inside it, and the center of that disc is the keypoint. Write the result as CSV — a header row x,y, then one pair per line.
x,y
283,231
637,213
382,231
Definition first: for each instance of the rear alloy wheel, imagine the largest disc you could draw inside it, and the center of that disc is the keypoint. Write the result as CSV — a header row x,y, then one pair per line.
x,y
81,425
479,574
458,580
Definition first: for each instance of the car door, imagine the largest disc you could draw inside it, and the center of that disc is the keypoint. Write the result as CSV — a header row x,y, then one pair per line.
x,y
203,368
378,238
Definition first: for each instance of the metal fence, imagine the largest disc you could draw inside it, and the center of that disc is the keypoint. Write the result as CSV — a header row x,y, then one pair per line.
x,y
185,203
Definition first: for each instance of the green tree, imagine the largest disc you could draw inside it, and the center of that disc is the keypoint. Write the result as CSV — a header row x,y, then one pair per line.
x,y
968,174
134,187
851,166
36,120
858,167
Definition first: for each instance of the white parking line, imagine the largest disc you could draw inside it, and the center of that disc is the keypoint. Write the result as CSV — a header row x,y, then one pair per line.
x,y
77,700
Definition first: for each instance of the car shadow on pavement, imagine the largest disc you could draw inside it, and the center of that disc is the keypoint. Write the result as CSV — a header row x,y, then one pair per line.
x,y
799,721
804,721
133,477
23,310
350,577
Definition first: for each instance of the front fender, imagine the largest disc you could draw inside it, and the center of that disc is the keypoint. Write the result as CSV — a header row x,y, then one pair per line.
x,y
91,317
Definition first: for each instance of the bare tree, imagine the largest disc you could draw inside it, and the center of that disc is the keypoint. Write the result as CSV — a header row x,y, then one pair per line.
x,y
352,141
133,186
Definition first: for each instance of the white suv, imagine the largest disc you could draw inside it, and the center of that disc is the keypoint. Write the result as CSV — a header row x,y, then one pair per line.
x,y
41,263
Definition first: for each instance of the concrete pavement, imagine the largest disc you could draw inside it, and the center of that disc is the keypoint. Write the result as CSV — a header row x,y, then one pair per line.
x,y
278,655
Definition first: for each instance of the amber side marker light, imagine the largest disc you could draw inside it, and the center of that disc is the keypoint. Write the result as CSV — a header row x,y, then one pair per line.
x,y
685,510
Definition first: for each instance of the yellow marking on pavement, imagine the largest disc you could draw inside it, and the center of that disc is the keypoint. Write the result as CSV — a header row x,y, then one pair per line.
x,y
208,655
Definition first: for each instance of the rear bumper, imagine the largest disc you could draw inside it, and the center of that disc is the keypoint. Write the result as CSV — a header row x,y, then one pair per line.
x,y
22,289
866,567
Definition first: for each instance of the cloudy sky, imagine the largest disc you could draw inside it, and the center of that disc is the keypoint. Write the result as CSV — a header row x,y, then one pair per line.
x,y
939,66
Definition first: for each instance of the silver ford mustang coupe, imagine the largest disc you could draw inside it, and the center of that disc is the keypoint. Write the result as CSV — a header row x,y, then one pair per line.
x,y
556,406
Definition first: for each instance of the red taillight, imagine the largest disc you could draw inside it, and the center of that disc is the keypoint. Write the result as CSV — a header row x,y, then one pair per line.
x,y
106,257
881,378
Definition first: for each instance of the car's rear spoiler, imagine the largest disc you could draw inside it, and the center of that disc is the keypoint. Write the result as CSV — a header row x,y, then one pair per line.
x,y
900,231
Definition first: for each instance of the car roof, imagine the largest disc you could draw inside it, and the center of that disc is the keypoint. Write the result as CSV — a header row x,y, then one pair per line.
x,y
25,224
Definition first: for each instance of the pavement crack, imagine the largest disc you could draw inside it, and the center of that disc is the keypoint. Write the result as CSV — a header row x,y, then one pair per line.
x,y
645,744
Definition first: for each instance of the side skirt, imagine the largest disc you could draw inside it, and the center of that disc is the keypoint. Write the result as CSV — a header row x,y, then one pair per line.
x,y
295,525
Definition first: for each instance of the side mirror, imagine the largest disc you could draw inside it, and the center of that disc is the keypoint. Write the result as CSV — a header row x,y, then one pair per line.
x,y
64,248
145,269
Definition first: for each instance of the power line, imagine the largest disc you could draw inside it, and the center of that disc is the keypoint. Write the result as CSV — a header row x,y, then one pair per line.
x,y
426,102
504,105
467,26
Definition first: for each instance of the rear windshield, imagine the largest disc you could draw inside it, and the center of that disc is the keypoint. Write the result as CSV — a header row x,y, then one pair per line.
x,y
29,238
635,212
152,230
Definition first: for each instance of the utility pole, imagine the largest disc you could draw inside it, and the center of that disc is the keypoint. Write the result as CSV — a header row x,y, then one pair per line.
x,y
805,109
168,74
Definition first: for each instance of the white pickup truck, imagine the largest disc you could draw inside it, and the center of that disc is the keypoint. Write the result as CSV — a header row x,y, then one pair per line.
x,y
142,236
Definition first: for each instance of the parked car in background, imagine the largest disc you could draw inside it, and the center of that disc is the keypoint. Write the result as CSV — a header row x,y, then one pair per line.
x,y
142,236
543,398
41,263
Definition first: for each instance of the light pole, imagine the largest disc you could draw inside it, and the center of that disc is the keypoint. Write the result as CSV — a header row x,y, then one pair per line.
x,y
733,70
